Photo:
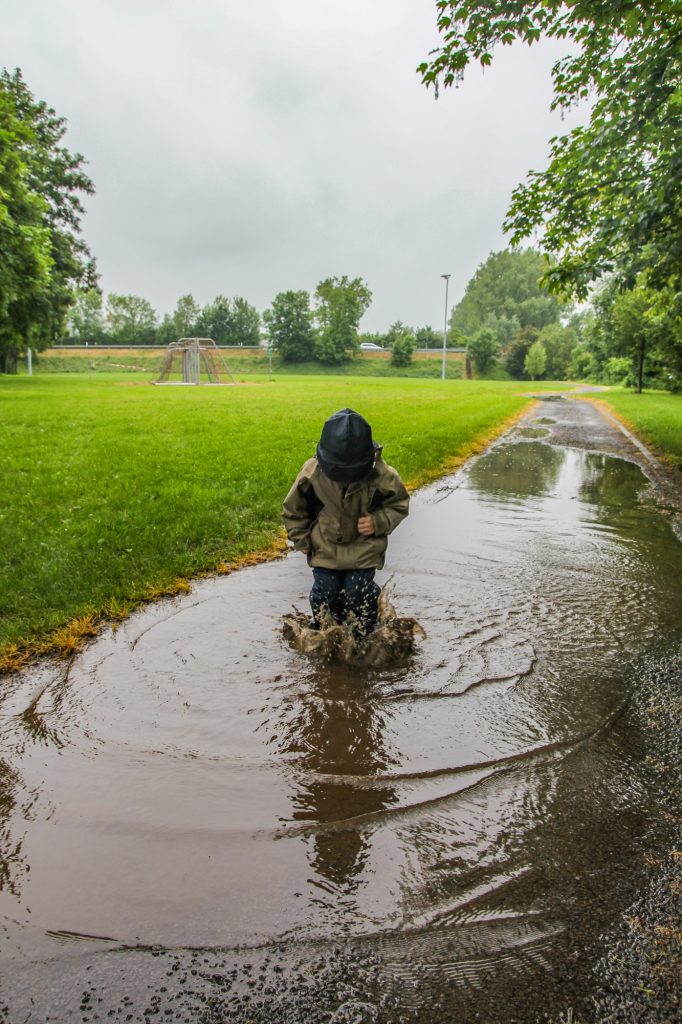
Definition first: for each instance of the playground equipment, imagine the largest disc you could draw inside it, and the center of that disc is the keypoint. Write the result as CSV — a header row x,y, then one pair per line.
x,y
188,357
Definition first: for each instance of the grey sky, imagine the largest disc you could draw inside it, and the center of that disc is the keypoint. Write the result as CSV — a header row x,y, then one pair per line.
x,y
248,148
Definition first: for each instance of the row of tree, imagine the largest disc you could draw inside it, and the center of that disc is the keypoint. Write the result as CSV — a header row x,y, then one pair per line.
x,y
507,316
300,327
132,320
324,329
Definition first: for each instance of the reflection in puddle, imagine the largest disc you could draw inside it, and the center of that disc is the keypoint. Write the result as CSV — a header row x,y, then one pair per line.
x,y
536,432
193,781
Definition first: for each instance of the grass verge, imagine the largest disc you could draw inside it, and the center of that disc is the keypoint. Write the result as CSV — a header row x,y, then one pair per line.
x,y
117,493
655,416
242,362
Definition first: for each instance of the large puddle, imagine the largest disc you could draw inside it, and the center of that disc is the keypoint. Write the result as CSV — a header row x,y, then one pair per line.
x,y
467,814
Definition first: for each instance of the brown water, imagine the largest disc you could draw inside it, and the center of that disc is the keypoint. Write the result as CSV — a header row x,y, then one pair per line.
x,y
191,781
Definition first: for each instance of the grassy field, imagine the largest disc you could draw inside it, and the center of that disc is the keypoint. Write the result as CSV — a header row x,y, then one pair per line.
x,y
655,416
112,488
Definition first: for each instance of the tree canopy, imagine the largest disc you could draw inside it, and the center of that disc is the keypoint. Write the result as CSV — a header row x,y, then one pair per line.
x,y
340,304
637,329
505,294
515,358
40,210
483,349
290,326
609,201
402,347
428,337
182,322
228,322
131,320
86,317
535,361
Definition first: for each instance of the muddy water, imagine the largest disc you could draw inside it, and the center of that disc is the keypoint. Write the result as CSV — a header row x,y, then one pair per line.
x,y
467,814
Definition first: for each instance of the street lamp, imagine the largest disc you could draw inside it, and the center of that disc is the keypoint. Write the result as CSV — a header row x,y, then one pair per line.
x,y
446,278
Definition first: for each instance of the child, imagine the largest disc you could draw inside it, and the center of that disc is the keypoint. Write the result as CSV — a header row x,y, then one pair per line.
x,y
339,512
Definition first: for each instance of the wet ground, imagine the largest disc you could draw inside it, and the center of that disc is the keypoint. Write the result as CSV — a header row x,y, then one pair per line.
x,y
199,823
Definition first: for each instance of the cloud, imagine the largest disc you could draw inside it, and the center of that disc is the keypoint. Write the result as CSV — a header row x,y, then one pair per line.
x,y
247,149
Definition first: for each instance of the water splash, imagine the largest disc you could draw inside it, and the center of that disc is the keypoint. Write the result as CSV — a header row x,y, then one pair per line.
x,y
393,640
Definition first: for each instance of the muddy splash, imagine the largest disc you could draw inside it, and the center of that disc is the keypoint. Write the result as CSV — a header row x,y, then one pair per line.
x,y
469,816
393,640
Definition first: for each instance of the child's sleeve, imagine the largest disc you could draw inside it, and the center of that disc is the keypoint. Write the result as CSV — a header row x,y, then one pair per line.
x,y
296,513
393,506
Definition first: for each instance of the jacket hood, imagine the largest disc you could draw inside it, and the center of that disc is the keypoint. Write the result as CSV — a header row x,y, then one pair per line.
x,y
346,451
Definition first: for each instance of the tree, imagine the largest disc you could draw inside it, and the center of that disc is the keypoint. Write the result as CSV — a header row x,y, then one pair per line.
x,y
43,259
182,323
558,342
536,358
397,330
230,323
455,338
290,326
515,359
186,316
215,320
642,324
245,323
609,201
505,293
483,349
635,327
503,326
85,323
340,305
427,337
131,320
402,349
581,366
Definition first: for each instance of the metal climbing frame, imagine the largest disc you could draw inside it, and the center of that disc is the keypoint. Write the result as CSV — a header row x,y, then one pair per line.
x,y
188,357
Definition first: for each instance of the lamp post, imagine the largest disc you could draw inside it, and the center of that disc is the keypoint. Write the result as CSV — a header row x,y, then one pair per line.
x,y
446,278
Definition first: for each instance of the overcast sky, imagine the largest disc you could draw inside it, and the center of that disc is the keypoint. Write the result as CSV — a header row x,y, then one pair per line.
x,y
246,148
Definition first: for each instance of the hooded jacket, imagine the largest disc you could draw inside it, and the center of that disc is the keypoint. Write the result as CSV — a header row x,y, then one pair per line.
x,y
321,515
346,451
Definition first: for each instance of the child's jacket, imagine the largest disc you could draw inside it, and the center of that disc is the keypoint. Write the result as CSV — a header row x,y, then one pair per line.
x,y
321,514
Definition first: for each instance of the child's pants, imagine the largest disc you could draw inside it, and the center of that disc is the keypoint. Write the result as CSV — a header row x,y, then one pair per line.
x,y
343,593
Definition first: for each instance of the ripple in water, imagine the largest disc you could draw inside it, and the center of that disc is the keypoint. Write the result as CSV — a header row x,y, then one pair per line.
x,y
193,780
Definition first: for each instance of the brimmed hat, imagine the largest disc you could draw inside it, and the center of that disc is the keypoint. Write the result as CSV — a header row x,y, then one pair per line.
x,y
346,451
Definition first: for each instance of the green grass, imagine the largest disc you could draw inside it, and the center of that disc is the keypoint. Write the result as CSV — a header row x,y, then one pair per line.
x,y
656,417
111,486
241,362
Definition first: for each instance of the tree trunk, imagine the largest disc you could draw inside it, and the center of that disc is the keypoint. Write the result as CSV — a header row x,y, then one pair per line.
x,y
640,365
8,360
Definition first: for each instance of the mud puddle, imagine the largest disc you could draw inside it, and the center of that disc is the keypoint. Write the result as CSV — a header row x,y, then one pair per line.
x,y
449,833
391,643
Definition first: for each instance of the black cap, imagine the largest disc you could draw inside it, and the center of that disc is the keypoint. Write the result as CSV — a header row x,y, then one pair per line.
x,y
346,451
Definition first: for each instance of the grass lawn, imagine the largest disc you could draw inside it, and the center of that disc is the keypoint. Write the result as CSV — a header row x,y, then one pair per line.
x,y
249,362
655,416
112,488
